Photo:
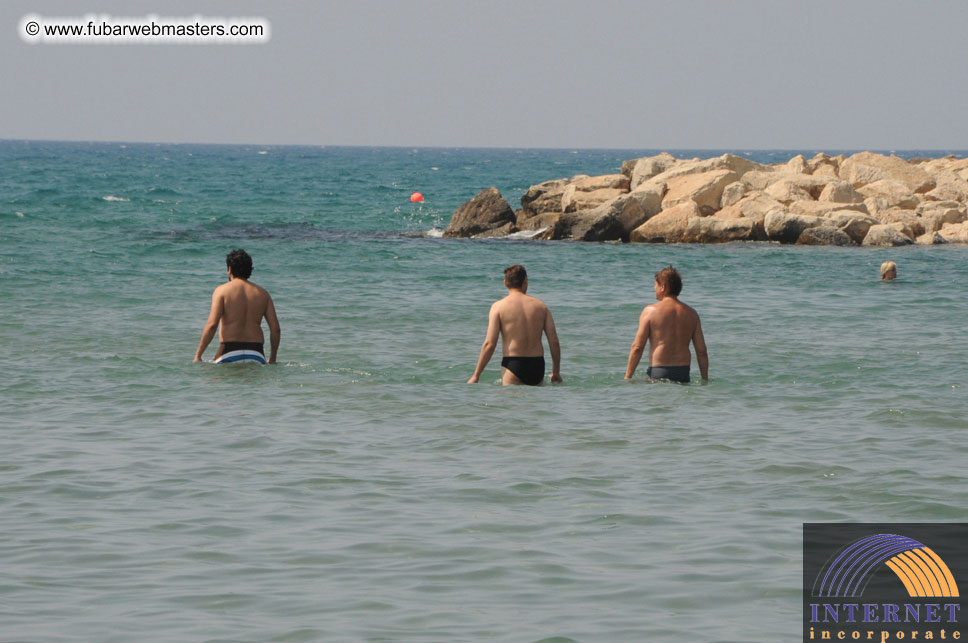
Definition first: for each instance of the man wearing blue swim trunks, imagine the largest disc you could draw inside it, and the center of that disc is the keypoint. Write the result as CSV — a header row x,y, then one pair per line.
x,y
520,319
238,307
668,326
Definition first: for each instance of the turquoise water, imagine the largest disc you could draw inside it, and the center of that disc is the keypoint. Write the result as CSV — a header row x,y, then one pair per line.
x,y
359,490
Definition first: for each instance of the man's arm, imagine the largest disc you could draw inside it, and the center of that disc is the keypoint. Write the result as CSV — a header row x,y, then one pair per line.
x,y
490,343
701,355
214,316
275,331
638,344
553,346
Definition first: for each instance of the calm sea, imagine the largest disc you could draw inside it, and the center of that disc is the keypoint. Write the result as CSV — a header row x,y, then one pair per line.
x,y
359,490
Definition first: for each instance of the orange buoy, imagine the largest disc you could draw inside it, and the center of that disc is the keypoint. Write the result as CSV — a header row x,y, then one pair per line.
x,y
416,197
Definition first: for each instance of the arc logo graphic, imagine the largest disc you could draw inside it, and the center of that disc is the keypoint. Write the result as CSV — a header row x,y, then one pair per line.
x,y
918,567
883,581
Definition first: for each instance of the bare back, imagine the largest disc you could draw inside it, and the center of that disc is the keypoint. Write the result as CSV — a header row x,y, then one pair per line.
x,y
244,304
522,320
671,326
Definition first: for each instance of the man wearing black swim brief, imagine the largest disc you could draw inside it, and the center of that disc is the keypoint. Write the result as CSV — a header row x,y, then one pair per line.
x,y
520,319
668,327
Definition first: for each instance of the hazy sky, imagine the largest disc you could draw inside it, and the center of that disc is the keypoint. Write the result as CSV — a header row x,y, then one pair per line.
x,y
630,74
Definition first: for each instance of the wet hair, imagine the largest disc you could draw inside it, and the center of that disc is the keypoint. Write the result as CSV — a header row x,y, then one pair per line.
x,y
240,262
671,279
515,275
888,266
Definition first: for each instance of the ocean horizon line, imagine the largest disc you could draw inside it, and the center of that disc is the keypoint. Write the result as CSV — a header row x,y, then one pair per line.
x,y
705,150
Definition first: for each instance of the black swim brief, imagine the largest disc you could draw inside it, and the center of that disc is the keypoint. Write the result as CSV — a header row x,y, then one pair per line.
x,y
240,351
674,373
529,370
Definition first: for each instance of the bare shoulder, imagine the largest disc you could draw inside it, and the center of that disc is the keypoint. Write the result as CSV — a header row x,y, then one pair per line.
x,y
689,309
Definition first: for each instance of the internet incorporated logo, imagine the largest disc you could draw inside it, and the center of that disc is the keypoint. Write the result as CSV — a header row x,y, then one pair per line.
x,y
922,571
882,585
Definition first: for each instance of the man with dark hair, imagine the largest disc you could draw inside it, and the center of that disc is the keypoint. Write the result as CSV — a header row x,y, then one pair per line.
x,y
668,326
520,319
239,307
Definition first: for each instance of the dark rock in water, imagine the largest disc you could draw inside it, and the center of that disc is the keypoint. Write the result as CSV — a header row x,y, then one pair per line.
x,y
712,230
488,211
589,225
824,235
786,227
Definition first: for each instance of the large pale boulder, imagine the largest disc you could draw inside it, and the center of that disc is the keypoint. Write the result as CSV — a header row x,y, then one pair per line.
x,y
840,192
955,232
705,189
713,230
949,187
866,167
787,227
699,166
762,179
632,209
752,206
732,193
824,235
885,234
907,218
823,165
797,165
544,197
641,170
937,213
602,182
574,199
669,226
823,208
892,193
487,212
786,192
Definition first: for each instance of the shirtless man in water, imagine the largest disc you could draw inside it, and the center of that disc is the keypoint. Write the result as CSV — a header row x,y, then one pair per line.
x,y
520,319
239,306
668,326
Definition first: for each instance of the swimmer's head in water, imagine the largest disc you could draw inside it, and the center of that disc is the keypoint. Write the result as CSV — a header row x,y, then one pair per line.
x,y
671,280
888,270
240,263
515,276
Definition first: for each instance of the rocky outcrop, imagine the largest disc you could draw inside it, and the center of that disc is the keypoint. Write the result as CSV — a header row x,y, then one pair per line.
x,y
867,198
484,214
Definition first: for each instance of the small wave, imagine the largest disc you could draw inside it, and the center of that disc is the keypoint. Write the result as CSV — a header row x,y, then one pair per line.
x,y
111,197
434,233
263,151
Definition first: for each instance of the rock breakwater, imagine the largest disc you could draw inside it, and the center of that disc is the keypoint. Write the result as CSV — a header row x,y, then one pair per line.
x,y
864,199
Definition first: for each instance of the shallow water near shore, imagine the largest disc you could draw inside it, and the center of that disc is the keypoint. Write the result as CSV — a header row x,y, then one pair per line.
x,y
359,490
